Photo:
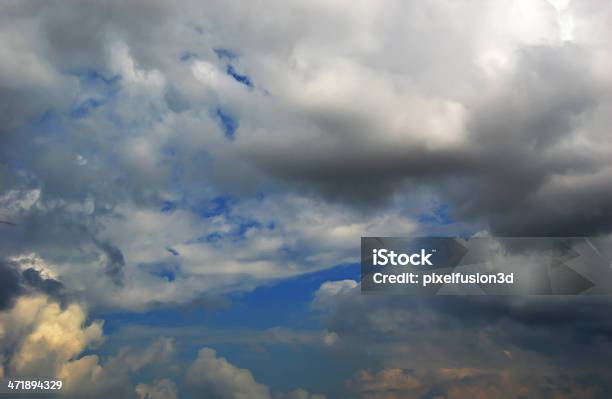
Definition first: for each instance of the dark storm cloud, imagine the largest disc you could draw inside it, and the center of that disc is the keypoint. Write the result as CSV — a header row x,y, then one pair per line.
x,y
551,97
32,278
14,283
504,172
9,285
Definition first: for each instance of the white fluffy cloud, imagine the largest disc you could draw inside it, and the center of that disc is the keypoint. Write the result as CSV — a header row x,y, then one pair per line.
x,y
46,337
211,376
282,236
215,377
47,340
41,338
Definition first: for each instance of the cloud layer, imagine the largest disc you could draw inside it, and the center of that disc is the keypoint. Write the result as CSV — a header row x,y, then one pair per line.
x,y
257,131
155,154
420,347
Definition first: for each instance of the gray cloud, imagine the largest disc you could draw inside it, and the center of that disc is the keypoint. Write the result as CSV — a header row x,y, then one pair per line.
x,y
457,383
49,286
10,288
114,262
356,128
519,119
515,160
16,282
214,377
474,332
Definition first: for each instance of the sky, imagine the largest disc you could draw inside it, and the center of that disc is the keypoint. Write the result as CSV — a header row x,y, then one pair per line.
x,y
186,184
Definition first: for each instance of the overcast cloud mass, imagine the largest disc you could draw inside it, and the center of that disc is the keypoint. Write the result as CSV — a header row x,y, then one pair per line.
x,y
186,184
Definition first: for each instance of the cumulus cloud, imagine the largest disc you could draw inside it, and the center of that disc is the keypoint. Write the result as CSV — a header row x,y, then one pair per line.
x,y
211,376
215,377
41,338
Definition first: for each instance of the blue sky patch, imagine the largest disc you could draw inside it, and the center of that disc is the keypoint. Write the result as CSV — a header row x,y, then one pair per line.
x,y
439,215
245,226
91,76
83,109
223,53
228,124
168,206
188,56
283,302
243,79
217,206
212,237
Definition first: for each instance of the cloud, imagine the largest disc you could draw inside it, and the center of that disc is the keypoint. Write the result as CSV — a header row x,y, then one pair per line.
x,y
114,262
9,288
344,127
210,376
388,382
525,118
329,290
257,148
214,377
476,332
354,129
250,339
445,383
297,394
41,338
158,350
321,235
159,389
25,274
